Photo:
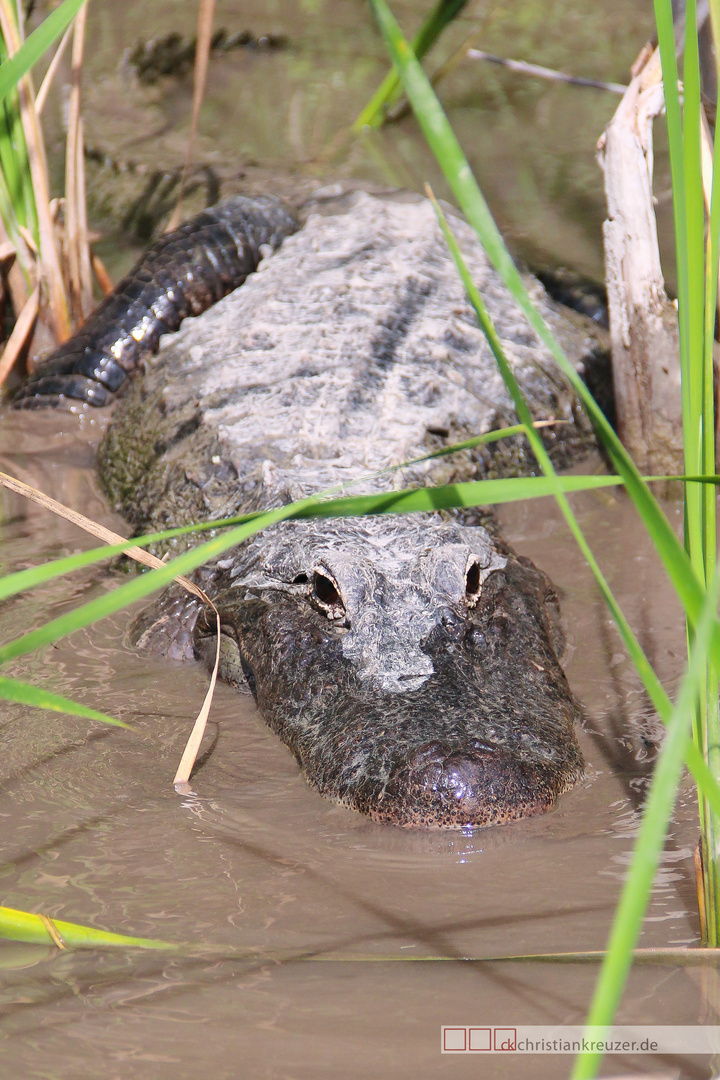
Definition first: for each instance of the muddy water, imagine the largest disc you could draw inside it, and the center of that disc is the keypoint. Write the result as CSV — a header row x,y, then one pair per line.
x,y
275,115
312,928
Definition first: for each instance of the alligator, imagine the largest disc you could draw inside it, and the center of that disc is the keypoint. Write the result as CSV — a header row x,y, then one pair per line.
x,y
411,663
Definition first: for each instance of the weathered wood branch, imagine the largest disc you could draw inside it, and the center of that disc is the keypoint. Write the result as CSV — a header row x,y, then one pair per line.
x,y
643,321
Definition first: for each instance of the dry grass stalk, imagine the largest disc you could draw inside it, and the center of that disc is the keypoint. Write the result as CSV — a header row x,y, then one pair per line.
x,y
101,275
520,67
50,258
147,559
29,240
13,276
21,334
53,931
76,230
206,13
42,93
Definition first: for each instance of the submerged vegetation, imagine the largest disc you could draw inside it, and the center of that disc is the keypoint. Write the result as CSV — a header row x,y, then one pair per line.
x,y
31,231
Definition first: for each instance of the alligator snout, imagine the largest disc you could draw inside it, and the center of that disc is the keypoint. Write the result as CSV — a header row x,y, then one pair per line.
x,y
482,785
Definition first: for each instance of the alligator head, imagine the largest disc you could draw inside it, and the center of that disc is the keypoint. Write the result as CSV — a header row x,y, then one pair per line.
x,y
410,665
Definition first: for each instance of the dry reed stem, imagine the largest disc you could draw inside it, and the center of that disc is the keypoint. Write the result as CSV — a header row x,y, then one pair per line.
x,y
29,240
53,931
13,274
21,333
147,559
520,67
41,96
86,274
206,12
76,240
101,275
50,258
700,888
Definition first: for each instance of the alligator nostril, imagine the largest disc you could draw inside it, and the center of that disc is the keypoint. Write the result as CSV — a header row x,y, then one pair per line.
x,y
424,755
479,746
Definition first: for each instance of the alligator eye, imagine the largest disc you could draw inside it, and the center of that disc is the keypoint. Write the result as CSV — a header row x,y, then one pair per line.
x,y
472,583
326,594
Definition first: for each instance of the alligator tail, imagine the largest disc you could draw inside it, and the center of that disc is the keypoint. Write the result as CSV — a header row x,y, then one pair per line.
x,y
183,273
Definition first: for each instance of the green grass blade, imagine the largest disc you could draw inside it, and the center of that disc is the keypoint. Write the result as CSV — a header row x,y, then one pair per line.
x,y
11,584
373,114
472,493
449,496
476,493
25,694
691,314
707,733
143,585
14,161
23,926
635,895
653,686
33,576
666,40
459,175
403,500
36,44
708,403
414,500
11,216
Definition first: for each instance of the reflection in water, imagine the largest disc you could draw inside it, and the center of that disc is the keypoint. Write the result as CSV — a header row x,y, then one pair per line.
x,y
530,142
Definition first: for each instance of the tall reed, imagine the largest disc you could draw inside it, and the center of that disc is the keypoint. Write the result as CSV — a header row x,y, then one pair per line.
x,y
691,566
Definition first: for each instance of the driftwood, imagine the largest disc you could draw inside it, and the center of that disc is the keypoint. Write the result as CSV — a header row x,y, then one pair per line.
x,y
643,321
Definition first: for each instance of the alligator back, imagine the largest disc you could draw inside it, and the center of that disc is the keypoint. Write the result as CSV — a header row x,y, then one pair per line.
x,y
352,349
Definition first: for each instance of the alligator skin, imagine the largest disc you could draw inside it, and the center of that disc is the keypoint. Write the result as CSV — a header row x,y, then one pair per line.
x,y
411,664
183,273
